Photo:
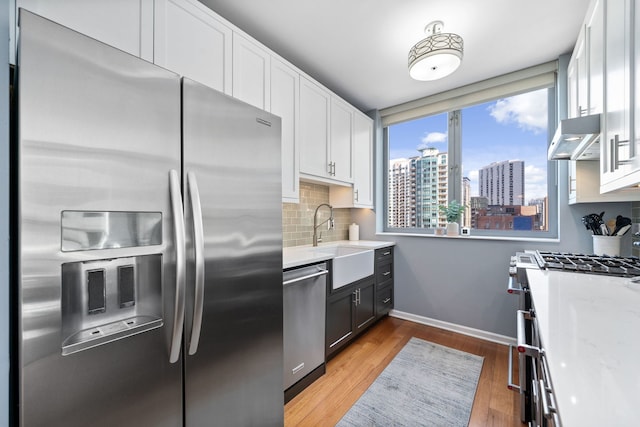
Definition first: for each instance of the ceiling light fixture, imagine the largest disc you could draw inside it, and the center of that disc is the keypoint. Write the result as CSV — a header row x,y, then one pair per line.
x,y
436,56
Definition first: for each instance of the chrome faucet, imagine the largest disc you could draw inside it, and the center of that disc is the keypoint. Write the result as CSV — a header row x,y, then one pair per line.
x,y
329,222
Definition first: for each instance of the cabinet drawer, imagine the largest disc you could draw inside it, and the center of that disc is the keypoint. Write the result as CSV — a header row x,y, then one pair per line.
x,y
384,254
384,301
385,273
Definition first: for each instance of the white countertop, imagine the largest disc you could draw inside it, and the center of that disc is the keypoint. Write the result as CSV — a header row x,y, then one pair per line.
x,y
590,328
300,255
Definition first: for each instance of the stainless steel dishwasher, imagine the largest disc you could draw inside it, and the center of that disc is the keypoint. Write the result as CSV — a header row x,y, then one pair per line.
x,y
305,291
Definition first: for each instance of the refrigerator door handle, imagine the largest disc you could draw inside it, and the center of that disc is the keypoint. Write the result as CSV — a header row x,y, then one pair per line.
x,y
198,239
179,231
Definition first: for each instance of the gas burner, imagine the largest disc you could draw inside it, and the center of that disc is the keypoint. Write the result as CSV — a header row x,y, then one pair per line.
x,y
590,264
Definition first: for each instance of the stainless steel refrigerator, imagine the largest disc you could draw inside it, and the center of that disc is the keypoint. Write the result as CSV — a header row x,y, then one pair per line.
x,y
148,243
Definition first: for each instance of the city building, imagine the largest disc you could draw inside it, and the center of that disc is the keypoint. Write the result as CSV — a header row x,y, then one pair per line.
x,y
417,186
502,183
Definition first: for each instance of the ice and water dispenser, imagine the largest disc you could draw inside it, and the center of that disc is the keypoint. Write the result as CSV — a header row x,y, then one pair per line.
x,y
108,299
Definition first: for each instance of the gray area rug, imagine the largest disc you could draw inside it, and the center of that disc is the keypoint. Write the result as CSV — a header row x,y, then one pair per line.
x,y
426,384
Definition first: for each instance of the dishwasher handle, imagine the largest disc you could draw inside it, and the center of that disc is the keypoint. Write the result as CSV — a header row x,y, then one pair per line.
x,y
320,272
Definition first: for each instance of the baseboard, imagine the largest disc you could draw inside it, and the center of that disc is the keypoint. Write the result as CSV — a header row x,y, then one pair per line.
x,y
465,330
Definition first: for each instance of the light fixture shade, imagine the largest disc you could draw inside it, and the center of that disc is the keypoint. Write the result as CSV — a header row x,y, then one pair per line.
x,y
436,56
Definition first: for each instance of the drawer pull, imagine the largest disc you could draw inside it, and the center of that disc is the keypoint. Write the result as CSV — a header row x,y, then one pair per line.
x,y
386,253
386,273
386,300
297,368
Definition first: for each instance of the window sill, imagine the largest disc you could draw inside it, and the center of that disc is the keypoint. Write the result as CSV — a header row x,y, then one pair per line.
x,y
474,237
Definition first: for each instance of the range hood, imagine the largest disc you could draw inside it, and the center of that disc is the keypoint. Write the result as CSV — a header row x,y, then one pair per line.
x,y
576,139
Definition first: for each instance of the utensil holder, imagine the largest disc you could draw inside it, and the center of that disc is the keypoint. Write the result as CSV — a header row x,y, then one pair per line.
x,y
606,245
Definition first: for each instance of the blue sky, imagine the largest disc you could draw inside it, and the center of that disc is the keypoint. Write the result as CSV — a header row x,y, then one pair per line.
x,y
512,128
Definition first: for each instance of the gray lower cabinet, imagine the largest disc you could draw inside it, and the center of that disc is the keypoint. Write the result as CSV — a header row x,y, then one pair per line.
x,y
350,310
384,281
353,308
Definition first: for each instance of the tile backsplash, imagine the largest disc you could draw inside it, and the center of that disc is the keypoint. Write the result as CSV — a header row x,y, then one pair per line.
x,y
297,218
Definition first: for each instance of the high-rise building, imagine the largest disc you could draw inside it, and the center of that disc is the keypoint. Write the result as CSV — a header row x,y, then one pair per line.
x,y
466,201
417,186
401,193
502,183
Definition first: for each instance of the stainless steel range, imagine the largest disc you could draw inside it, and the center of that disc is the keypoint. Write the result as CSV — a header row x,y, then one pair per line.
x,y
537,401
580,263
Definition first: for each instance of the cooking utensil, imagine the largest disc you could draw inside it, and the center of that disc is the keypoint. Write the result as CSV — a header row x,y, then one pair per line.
x,y
593,222
623,230
621,222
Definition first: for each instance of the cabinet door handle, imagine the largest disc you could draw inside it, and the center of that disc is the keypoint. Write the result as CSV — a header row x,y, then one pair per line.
x,y
386,273
386,300
356,198
617,143
387,253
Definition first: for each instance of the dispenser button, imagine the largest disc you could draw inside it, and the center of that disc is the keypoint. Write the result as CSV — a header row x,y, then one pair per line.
x,y
96,291
126,286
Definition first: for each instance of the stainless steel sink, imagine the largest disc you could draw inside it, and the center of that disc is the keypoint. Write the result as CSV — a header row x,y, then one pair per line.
x,y
349,264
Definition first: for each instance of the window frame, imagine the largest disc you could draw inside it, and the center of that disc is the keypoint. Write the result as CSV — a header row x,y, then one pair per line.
x,y
503,86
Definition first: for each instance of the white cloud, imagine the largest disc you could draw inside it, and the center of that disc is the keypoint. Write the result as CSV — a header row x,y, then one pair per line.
x,y
431,138
536,182
528,111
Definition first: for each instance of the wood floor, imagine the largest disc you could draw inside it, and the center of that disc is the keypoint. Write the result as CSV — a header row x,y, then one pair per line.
x,y
351,372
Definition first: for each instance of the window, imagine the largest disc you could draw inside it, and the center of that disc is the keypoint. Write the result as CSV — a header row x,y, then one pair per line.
x,y
489,155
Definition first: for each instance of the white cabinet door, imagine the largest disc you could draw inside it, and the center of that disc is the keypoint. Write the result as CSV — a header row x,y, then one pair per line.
x,y
314,129
284,103
595,56
577,79
251,69
616,154
125,24
572,88
360,195
363,161
341,140
192,42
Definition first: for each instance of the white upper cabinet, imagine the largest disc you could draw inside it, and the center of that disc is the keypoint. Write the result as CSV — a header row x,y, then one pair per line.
x,y
361,194
586,66
594,34
617,153
577,76
284,103
125,24
326,135
314,129
363,161
191,41
584,185
251,69
341,140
